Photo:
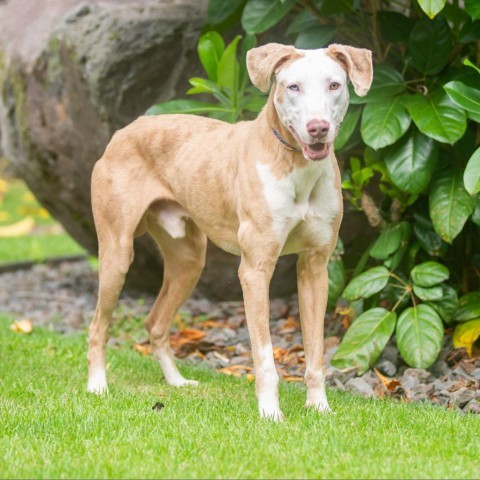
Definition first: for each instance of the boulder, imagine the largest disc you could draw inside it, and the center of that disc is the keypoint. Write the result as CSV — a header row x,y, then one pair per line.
x,y
71,73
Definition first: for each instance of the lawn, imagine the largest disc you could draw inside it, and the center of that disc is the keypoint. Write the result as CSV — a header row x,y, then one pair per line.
x,y
27,231
51,428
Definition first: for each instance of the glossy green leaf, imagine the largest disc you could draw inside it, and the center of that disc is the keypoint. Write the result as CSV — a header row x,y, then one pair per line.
x,y
464,96
185,106
315,37
384,123
249,42
468,307
419,335
432,7
430,45
470,32
202,85
335,7
365,340
387,82
210,49
367,284
427,236
387,243
253,103
410,162
220,10
405,233
336,280
347,127
395,26
304,20
450,204
437,116
473,8
471,176
447,305
468,63
476,212
260,15
429,274
228,67
428,293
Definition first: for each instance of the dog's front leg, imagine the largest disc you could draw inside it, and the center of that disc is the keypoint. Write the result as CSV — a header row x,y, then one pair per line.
x,y
255,273
312,278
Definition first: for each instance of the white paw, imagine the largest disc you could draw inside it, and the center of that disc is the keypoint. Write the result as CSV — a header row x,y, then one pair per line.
x,y
269,407
182,382
321,407
97,386
317,399
97,383
275,415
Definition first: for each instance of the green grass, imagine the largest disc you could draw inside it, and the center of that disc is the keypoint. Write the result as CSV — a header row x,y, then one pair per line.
x,y
44,240
50,427
37,247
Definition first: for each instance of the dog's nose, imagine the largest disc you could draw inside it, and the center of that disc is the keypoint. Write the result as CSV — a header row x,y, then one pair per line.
x,y
318,128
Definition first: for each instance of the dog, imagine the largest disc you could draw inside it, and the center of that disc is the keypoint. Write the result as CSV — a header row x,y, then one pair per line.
x,y
258,189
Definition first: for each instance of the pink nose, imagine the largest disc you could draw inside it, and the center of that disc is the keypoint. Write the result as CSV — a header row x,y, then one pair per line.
x,y
318,128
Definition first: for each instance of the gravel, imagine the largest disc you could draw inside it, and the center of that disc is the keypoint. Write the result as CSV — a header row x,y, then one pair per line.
x,y
62,297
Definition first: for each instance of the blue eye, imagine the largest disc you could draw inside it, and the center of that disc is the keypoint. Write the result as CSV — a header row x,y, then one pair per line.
x,y
294,87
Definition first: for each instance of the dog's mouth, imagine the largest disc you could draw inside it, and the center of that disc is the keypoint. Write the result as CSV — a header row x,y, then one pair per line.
x,y
313,151
316,151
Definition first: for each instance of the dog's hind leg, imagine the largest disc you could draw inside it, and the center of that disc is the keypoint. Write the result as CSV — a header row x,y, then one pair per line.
x,y
114,260
116,222
183,246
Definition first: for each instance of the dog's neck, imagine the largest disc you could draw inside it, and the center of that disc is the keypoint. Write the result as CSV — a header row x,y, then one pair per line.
x,y
283,134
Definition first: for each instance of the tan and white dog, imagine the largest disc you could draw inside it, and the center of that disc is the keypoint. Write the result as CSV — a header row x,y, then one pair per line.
x,y
258,189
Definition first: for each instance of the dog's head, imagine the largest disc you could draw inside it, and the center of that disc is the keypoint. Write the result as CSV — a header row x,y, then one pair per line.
x,y
311,91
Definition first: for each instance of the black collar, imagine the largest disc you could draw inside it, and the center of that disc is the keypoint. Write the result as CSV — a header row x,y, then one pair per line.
x,y
284,141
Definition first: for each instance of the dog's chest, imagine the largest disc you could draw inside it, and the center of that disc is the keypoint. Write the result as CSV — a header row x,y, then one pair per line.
x,y
303,204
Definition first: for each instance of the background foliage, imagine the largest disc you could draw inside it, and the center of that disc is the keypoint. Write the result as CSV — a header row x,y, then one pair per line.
x,y
409,151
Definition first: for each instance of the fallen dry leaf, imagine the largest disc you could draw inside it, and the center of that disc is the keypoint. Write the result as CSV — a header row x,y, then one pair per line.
x,y
143,348
22,326
221,357
279,352
331,342
186,335
291,325
212,324
389,383
290,378
235,370
296,348
18,229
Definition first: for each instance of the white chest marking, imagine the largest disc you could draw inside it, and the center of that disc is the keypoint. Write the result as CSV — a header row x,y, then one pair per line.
x,y
306,196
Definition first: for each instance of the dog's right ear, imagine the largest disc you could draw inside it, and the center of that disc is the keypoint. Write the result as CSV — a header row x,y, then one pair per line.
x,y
263,61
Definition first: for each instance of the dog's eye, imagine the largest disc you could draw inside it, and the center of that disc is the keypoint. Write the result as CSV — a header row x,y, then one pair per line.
x,y
334,86
294,87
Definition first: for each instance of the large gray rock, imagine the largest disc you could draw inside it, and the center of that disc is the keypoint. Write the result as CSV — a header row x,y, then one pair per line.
x,y
71,73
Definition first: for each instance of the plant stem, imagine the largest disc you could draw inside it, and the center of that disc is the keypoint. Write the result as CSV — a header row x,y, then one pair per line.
x,y
399,300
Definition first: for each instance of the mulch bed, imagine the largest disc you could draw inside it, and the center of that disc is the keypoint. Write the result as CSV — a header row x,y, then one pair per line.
x,y
62,297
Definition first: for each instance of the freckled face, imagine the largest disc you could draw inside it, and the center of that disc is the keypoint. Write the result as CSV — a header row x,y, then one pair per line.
x,y
311,99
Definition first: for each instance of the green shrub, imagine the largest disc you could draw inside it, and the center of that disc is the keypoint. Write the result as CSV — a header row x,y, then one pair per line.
x,y
410,151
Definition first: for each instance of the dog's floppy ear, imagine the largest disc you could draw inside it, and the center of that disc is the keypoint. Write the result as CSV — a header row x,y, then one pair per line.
x,y
357,62
263,61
